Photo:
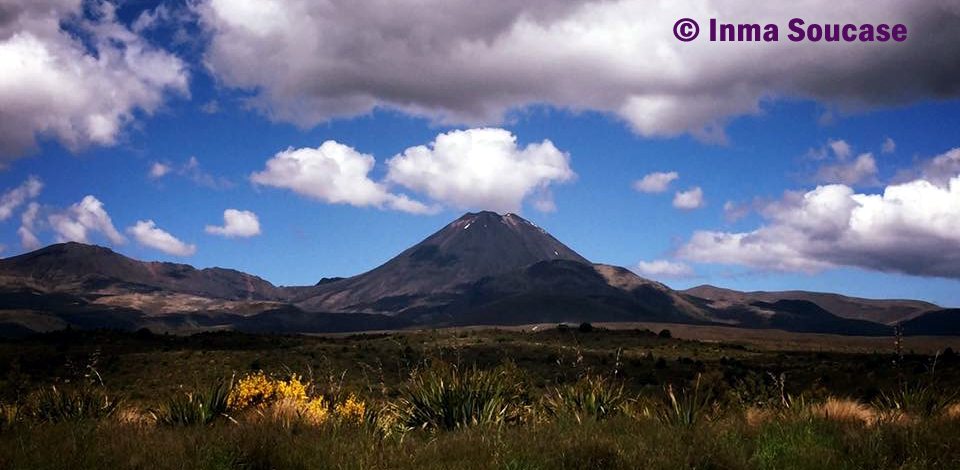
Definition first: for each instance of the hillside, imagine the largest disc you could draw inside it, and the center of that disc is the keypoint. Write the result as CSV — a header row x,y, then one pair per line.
x,y
854,308
85,269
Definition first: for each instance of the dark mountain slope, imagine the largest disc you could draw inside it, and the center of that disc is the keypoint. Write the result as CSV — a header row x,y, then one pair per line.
x,y
562,291
939,323
796,315
879,311
475,246
86,269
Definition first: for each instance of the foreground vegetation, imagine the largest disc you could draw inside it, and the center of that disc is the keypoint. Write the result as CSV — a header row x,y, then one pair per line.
x,y
571,398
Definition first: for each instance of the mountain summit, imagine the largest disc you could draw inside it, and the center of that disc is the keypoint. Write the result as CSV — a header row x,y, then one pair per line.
x,y
475,246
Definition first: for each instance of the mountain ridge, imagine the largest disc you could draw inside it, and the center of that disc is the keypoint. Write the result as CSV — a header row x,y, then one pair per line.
x,y
886,311
482,268
64,265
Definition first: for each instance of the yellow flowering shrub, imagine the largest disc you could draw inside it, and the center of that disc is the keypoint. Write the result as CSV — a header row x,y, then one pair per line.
x,y
294,389
285,401
252,390
259,390
352,410
315,411
289,401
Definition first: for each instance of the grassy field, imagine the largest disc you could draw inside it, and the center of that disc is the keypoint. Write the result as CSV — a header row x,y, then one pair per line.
x,y
616,396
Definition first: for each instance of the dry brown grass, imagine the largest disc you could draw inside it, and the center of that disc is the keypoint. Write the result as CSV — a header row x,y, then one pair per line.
x,y
134,416
847,410
288,413
953,411
756,417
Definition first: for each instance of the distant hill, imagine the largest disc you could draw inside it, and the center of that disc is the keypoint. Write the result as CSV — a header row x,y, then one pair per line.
x,y
86,286
796,315
937,323
83,269
878,311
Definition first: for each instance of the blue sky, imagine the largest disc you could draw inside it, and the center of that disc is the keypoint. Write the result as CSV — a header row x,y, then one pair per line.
x,y
778,140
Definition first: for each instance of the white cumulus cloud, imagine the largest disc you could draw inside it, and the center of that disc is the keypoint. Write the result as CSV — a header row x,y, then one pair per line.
x,y
841,149
333,173
661,268
482,169
28,230
734,212
159,170
938,170
191,170
861,170
911,228
656,182
80,85
689,199
78,221
148,234
16,197
236,223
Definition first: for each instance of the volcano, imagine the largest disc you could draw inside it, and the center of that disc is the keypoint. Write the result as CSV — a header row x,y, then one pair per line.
x,y
475,246
490,268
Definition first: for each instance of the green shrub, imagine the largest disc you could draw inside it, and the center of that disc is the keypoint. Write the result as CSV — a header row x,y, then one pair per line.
x,y
85,402
590,397
186,409
769,392
760,391
448,397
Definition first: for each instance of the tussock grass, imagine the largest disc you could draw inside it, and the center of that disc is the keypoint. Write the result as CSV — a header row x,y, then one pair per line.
x,y
134,416
916,400
845,409
57,404
685,406
446,396
953,411
195,408
591,397
10,415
